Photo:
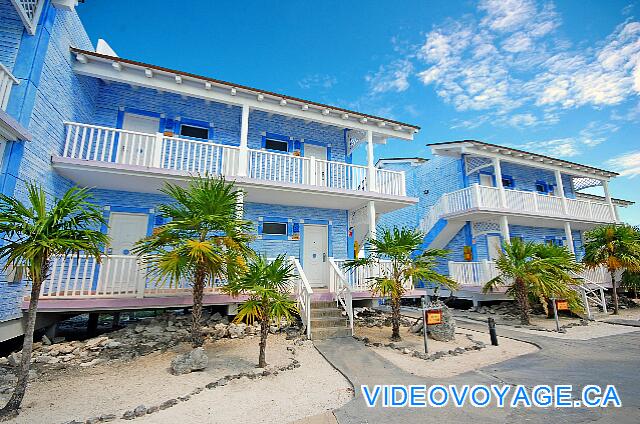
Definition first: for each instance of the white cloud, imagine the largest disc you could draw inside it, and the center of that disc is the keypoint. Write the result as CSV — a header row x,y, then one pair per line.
x,y
627,164
560,147
593,134
509,57
317,81
394,77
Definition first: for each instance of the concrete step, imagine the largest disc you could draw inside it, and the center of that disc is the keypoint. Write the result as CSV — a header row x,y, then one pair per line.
x,y
325,322
326,312
329,332
322,304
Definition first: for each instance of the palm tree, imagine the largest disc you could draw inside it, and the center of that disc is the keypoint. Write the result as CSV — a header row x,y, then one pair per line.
x,y
267,284
33,233
615,247
401,247
631,282
204,241
538,270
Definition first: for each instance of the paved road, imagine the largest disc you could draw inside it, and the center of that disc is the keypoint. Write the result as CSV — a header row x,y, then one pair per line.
x,y
607,360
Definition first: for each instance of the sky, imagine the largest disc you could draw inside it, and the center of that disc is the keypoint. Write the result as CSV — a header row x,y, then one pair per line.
x,y
558,78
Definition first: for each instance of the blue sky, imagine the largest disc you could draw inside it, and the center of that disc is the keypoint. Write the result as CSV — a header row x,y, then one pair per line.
x,y
559,78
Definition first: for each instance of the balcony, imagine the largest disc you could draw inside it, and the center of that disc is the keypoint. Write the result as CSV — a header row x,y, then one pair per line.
x,y
474,275
118,159
478,202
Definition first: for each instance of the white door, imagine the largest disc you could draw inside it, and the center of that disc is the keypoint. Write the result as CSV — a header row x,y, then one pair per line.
x,y
316,253
122,274
138,149
486,180
494,243
318,152
125,229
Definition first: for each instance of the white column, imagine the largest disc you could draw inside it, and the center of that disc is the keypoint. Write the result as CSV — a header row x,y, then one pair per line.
x,y
497,172
371,167
371,209
504,229
243,157
607,197
560,191
569,236
240,205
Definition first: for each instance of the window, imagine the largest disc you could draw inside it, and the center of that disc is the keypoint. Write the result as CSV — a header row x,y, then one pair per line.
x,y
507,181
274,228
271,144
194,131
541,187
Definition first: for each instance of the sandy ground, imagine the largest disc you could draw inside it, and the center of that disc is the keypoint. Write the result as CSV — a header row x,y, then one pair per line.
x,y
452,365
412,341
85,393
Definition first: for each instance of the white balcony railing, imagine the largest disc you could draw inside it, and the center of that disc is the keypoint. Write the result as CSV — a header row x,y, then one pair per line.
x,y
482,198
7,80
477,274
472,274
130,148
360,279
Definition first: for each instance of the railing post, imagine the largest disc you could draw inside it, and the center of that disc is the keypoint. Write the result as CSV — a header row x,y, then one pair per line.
x,y
313,169
403,184
243,156
371,168
475,195
156,152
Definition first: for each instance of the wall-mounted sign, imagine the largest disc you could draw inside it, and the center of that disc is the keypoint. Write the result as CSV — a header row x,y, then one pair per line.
x,y
562,305
433,316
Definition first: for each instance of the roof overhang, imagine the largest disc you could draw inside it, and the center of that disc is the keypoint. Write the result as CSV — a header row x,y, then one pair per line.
x,y
618,202
479,148
11,130
388,161
140,74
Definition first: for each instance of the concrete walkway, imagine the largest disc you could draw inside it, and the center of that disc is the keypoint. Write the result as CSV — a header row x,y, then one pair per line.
x,y
607,360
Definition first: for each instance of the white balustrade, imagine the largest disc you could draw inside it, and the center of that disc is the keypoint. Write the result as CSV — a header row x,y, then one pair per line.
x,y
339,286
265,165
104,144
361,278
472,274
7,80
302,292
479,197
390,182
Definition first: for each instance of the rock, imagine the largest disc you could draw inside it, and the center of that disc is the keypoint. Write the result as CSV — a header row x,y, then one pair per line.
x,y
96,342
220,331
112,344
216,317
140,410
444,332
416,328
196,360
4,361
44,359
91,363
105,418
14,359
128,415
168,403
46,341
236,330
406,351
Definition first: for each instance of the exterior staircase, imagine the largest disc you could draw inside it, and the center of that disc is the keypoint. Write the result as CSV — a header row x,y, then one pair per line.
x,y
327,321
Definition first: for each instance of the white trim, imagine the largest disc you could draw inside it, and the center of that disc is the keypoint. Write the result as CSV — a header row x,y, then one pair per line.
x,y
513,156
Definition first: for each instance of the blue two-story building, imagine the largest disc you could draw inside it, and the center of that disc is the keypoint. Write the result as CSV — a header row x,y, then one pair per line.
x,y
75,114
475,195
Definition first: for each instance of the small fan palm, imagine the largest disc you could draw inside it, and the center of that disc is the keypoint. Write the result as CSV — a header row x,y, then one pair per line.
x,y
538,270
615,247
204,242
267,284
401,247
33,233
